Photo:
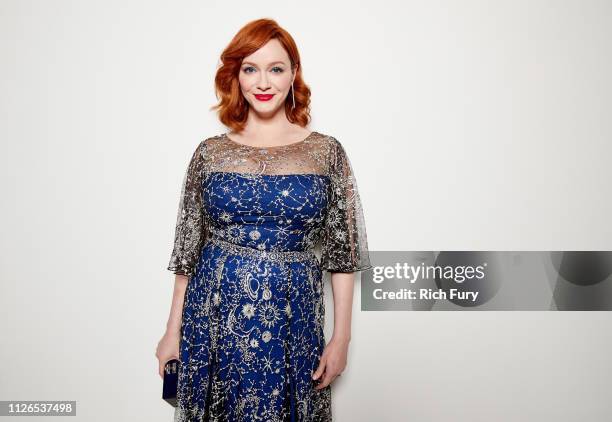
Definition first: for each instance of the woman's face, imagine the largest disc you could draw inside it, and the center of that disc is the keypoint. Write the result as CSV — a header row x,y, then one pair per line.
x,y
265,78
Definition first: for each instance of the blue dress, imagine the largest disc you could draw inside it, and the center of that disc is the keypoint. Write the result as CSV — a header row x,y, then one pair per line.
x,y
249,221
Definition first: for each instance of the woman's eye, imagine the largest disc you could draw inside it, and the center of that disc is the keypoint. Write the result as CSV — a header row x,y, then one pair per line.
x,y
251,69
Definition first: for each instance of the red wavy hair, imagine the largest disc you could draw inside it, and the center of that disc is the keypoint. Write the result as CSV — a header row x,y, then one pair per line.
x,y
232,107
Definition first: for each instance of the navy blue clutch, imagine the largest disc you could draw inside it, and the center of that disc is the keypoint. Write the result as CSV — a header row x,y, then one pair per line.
x,y
170,381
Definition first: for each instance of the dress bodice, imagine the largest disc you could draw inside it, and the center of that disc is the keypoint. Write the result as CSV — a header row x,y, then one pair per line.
x,y
266,212
283,198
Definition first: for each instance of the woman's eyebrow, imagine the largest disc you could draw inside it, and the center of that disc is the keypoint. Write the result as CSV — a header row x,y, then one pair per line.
x,y
278,61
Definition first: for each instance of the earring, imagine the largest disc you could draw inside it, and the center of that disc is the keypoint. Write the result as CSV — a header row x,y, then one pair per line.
x,y
292,96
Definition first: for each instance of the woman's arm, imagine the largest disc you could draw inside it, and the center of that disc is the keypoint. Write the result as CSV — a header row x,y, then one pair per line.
x,y
333,360
342,288
176,310
168,346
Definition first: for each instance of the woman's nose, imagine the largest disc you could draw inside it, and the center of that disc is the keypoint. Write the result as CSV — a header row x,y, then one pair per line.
x,y
264,82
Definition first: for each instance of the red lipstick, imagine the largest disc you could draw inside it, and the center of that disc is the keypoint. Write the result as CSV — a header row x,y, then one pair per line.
x,y
264,97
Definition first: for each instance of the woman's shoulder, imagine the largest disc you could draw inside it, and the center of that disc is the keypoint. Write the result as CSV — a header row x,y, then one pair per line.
x,y
324,137
328,143
213,139
203,147
331,144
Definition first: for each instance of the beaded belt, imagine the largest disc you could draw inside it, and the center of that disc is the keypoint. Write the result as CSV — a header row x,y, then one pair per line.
x,y
271,255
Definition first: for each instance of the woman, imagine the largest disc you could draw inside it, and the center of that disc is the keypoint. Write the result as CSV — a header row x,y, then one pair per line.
x,y
248,310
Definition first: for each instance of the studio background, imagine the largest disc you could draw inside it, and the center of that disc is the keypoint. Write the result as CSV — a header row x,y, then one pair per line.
x,y
473,125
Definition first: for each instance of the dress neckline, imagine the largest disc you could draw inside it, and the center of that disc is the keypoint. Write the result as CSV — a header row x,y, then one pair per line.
x,y
270,146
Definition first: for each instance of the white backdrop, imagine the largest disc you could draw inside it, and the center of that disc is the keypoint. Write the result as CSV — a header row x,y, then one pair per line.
x,y
473,125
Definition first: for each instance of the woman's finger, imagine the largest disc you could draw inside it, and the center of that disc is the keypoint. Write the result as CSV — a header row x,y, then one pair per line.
x,y
320,369
326,380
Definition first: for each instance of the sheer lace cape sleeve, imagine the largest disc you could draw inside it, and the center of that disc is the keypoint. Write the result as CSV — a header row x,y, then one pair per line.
x,y
190,230
344,241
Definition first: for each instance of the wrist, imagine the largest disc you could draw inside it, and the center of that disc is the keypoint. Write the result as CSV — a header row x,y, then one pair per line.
x,y
342,337
172,330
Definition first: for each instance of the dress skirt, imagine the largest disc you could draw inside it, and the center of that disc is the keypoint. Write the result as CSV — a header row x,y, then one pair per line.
x,y
252,336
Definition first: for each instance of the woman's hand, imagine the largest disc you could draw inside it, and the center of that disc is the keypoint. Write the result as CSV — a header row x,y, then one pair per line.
x,y
332,363
167,349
